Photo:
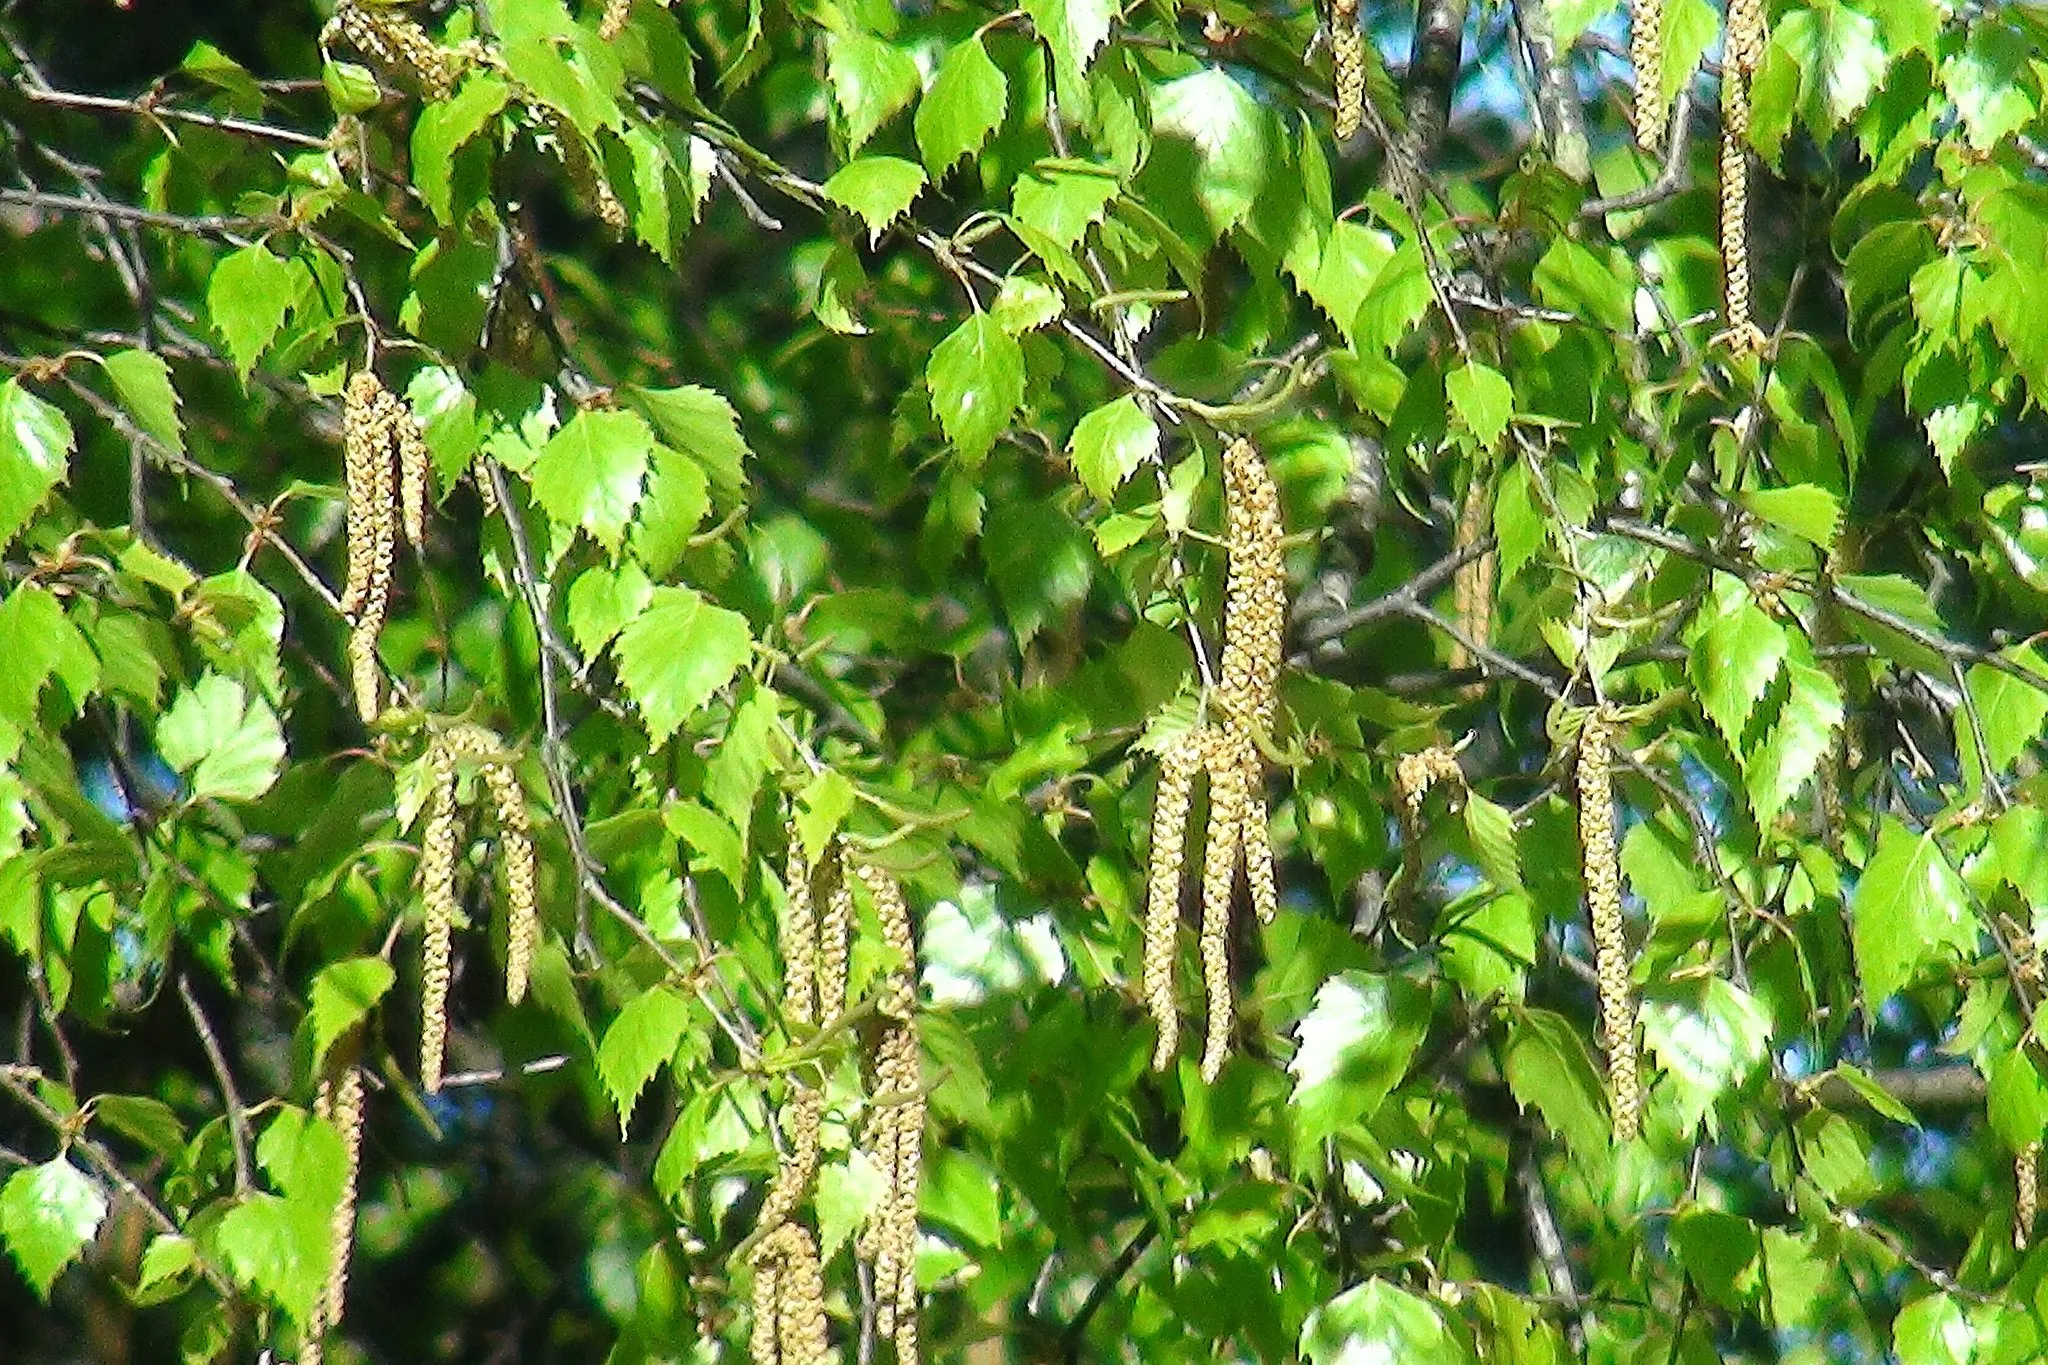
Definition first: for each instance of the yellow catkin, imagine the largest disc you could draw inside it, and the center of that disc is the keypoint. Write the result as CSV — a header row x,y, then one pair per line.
x,y
413,462
1258,858
1646,53
1600,855
522,893
395,40
1472,587
437,896
1416,773
894,1128
1742,53
1347,61
834,927
1177,769
799,938
2026,1170
370,451
789,1299
340,1102
1227,801
1255,599
616,13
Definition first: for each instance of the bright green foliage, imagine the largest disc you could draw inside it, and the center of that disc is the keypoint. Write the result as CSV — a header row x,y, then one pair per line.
x,y
823,409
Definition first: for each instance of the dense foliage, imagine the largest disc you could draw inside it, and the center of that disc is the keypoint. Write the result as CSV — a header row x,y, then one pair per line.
x,y
690,471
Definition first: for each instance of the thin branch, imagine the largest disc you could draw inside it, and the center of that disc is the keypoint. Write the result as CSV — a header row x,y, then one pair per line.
x,y
1317,632
1674,179
144,108
238,1122
1075,1337
1551,1251
198,225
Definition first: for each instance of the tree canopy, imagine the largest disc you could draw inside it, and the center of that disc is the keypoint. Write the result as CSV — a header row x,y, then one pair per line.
x,y
1109,680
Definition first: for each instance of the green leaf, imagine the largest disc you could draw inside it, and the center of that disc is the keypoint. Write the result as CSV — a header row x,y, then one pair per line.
x,y
679,651
1549,1067
1933,1331
1039,562
228,744
1350,261
1908,906
143,381
1063,199
1707,1037
447,416
963,108
272,1248
1074,30
442,129
1356,1042
166,1259
247,298
1802,736
1689,28
603,602
1025,303
343,995
1806,510
1212,133
1112,443
589,473
871,81
1492,831
822,807
700,423
2010,710
351,89
646,1034
143,1119
1378,1322
47,1215
1722,1253
1839,60
847,1196
976,378
2015,1097
678,498
35,455
1989,82
1481,397
1517,524
1737,653
877,190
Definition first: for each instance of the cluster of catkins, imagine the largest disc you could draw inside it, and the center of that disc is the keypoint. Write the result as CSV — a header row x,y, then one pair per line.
x,y
385,465
339,1101
789,1290
437,880
1600,853
392,39
1347,64
1226,748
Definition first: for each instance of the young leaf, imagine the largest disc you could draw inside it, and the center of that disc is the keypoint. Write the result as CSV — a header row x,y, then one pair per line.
x,y
228,744
47,1215
35,455
877,190
143,381
872,82
1909,905
343,995
1063,199
679,651
443,127
589,473
645,1035
976,378
1356,1042
701,424
1112,443
247,298
1792,752
1737,652
1484,403
963,108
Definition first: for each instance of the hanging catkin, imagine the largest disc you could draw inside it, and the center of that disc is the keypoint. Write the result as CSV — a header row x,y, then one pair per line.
x,y
1600,855
894,1130
789,1299
386,35
613,22
1227,801
437,898
339,1101
1473,586
369,449
1177,768
1742,53
522,901
2026,1170
1347,61
1646,54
